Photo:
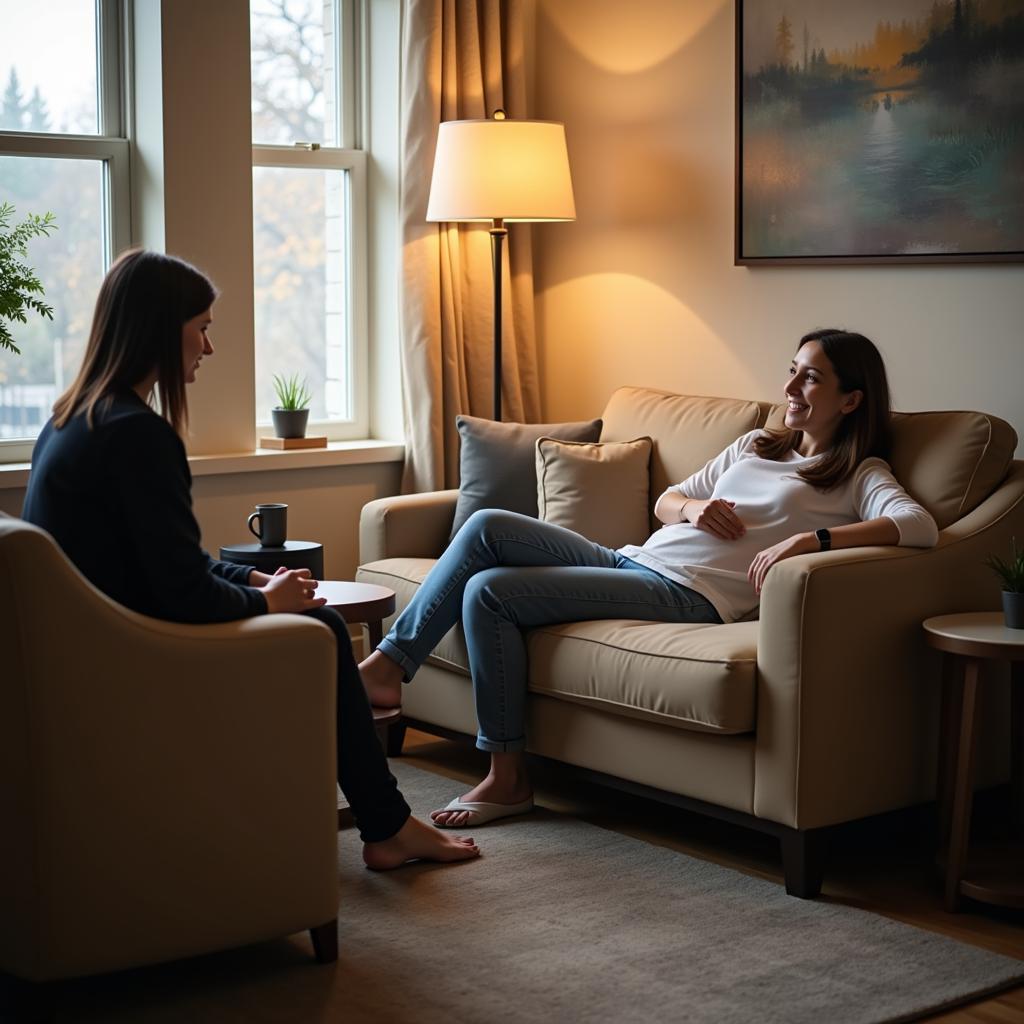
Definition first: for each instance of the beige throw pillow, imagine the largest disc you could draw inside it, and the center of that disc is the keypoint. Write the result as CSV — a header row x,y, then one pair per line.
x,y
599,490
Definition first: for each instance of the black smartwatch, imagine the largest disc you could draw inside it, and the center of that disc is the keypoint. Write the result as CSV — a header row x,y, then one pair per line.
x,y
824,539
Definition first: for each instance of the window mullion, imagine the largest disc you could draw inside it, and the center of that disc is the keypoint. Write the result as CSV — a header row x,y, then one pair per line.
x,y
109,77
347,78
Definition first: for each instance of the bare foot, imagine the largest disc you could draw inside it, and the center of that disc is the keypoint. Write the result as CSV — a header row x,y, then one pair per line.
x,y
492,791
382,680
416,840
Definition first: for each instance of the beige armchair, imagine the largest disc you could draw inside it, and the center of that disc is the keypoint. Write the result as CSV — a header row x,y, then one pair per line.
x,y
165,790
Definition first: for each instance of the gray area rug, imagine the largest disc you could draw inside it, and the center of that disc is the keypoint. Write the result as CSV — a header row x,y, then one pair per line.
x,y
561,920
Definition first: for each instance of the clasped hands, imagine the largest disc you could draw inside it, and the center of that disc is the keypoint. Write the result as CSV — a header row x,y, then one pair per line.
x,y
717,516
288,590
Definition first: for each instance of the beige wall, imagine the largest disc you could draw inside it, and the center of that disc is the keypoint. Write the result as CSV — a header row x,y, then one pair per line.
x,y
323,505
642,288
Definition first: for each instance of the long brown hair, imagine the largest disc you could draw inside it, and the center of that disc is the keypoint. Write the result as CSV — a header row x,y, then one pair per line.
x,y
144,301
862,433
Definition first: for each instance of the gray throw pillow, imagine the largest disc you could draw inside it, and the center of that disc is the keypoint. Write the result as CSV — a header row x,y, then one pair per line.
x,y
497,462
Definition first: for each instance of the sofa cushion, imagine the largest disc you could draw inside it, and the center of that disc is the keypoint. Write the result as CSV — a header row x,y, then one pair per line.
x,y
690,676
696,677
599,490
496,463
950,462
688,430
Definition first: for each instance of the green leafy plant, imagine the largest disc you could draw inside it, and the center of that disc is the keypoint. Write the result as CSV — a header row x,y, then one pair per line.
x,y
1011,572
20,289
292,392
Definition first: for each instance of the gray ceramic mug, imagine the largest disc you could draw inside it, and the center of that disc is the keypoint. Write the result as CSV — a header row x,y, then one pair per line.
x,y
273,524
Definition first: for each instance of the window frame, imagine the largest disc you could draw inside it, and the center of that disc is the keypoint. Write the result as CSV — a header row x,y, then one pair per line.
x,y
354,162
349,156
110,146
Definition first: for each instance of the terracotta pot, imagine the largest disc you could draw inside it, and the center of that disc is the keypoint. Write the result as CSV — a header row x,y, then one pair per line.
x,y
290,422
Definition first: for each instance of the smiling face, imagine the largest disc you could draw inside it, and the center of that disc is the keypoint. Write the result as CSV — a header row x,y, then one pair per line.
x,y
195,343
816,404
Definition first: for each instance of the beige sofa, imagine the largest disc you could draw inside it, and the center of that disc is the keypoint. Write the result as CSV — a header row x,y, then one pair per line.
x,y
824,711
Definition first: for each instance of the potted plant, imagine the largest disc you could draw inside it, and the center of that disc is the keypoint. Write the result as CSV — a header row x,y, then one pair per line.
x,y
292,410
20,289
1012,575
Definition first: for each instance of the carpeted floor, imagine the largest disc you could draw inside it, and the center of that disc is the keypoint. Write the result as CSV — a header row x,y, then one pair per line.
x,y
563,921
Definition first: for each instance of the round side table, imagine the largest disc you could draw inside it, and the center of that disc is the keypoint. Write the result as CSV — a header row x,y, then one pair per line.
x,y
967,640
293,554
359,602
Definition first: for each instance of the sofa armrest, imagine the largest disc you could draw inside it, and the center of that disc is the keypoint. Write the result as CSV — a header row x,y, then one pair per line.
x,y
847,689
406,526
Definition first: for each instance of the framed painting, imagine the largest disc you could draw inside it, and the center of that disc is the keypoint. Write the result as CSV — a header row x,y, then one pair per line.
x,y
879,131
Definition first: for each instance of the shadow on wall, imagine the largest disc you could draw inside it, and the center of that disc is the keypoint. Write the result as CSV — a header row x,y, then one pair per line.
x,y
633,98
640,272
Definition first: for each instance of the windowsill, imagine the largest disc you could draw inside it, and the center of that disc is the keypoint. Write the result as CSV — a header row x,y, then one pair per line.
x,y
337,453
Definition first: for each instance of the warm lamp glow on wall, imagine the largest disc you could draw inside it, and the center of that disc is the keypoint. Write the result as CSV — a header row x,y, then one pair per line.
x,y
497,170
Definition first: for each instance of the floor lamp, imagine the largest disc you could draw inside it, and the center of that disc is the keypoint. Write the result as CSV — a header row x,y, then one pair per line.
x,y
500,170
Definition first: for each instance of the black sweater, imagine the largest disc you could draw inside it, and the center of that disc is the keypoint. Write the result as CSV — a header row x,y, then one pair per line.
x,y
118,501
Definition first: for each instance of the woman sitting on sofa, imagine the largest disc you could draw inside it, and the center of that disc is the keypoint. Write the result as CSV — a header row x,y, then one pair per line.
x,y
111,483
819,483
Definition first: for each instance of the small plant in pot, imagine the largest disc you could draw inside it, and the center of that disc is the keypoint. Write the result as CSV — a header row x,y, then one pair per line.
x,y
1012,574
292,410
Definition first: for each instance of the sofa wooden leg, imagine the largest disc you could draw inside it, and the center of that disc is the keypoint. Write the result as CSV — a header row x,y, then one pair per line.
x,y
396,737
803,861
325,941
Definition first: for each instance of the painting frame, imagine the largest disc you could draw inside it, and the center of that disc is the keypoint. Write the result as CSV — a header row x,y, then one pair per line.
x,y
746,254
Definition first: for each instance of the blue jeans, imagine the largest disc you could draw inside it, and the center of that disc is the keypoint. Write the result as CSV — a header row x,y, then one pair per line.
x,y
504,573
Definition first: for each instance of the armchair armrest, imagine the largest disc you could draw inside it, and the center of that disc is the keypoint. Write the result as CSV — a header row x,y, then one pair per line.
x,y
847,692
406,526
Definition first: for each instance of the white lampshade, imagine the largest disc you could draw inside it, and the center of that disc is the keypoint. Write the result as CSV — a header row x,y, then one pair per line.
x,y
501,169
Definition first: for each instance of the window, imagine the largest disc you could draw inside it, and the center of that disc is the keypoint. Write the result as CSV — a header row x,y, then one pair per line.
x,y
309,210
63,149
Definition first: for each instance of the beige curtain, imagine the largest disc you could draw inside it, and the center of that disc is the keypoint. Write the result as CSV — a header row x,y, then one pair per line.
x,y
461,59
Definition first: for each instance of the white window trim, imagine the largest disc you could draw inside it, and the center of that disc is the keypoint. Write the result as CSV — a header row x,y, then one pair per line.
x,y
354,162
349,22
110,147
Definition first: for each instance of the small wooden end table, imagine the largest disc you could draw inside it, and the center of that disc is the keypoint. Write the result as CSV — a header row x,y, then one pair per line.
x,y
369,604
360,602
967,640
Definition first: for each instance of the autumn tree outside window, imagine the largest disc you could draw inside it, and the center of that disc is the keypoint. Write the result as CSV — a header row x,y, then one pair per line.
x,y
309,208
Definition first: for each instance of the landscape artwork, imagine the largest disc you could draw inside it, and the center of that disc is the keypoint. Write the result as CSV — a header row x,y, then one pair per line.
x,y
880,131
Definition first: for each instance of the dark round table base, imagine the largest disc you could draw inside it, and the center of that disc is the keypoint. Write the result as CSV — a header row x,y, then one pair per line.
x,y
295,554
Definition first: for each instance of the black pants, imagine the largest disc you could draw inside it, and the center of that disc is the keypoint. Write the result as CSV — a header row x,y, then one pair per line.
x,y
372,791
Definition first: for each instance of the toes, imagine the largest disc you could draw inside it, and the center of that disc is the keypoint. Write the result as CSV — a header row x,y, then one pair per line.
x,y
449,818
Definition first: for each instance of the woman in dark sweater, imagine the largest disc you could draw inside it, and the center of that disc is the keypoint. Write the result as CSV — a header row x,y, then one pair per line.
x,y
110,482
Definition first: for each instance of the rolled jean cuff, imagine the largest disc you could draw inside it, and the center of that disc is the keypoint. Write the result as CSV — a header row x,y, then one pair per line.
x,y
399,657
500,746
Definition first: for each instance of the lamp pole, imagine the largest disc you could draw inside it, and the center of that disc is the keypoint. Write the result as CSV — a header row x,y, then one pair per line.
x,y
498,235
495,170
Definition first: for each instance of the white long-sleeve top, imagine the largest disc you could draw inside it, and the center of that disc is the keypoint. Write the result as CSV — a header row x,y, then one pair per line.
x,y
773,504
